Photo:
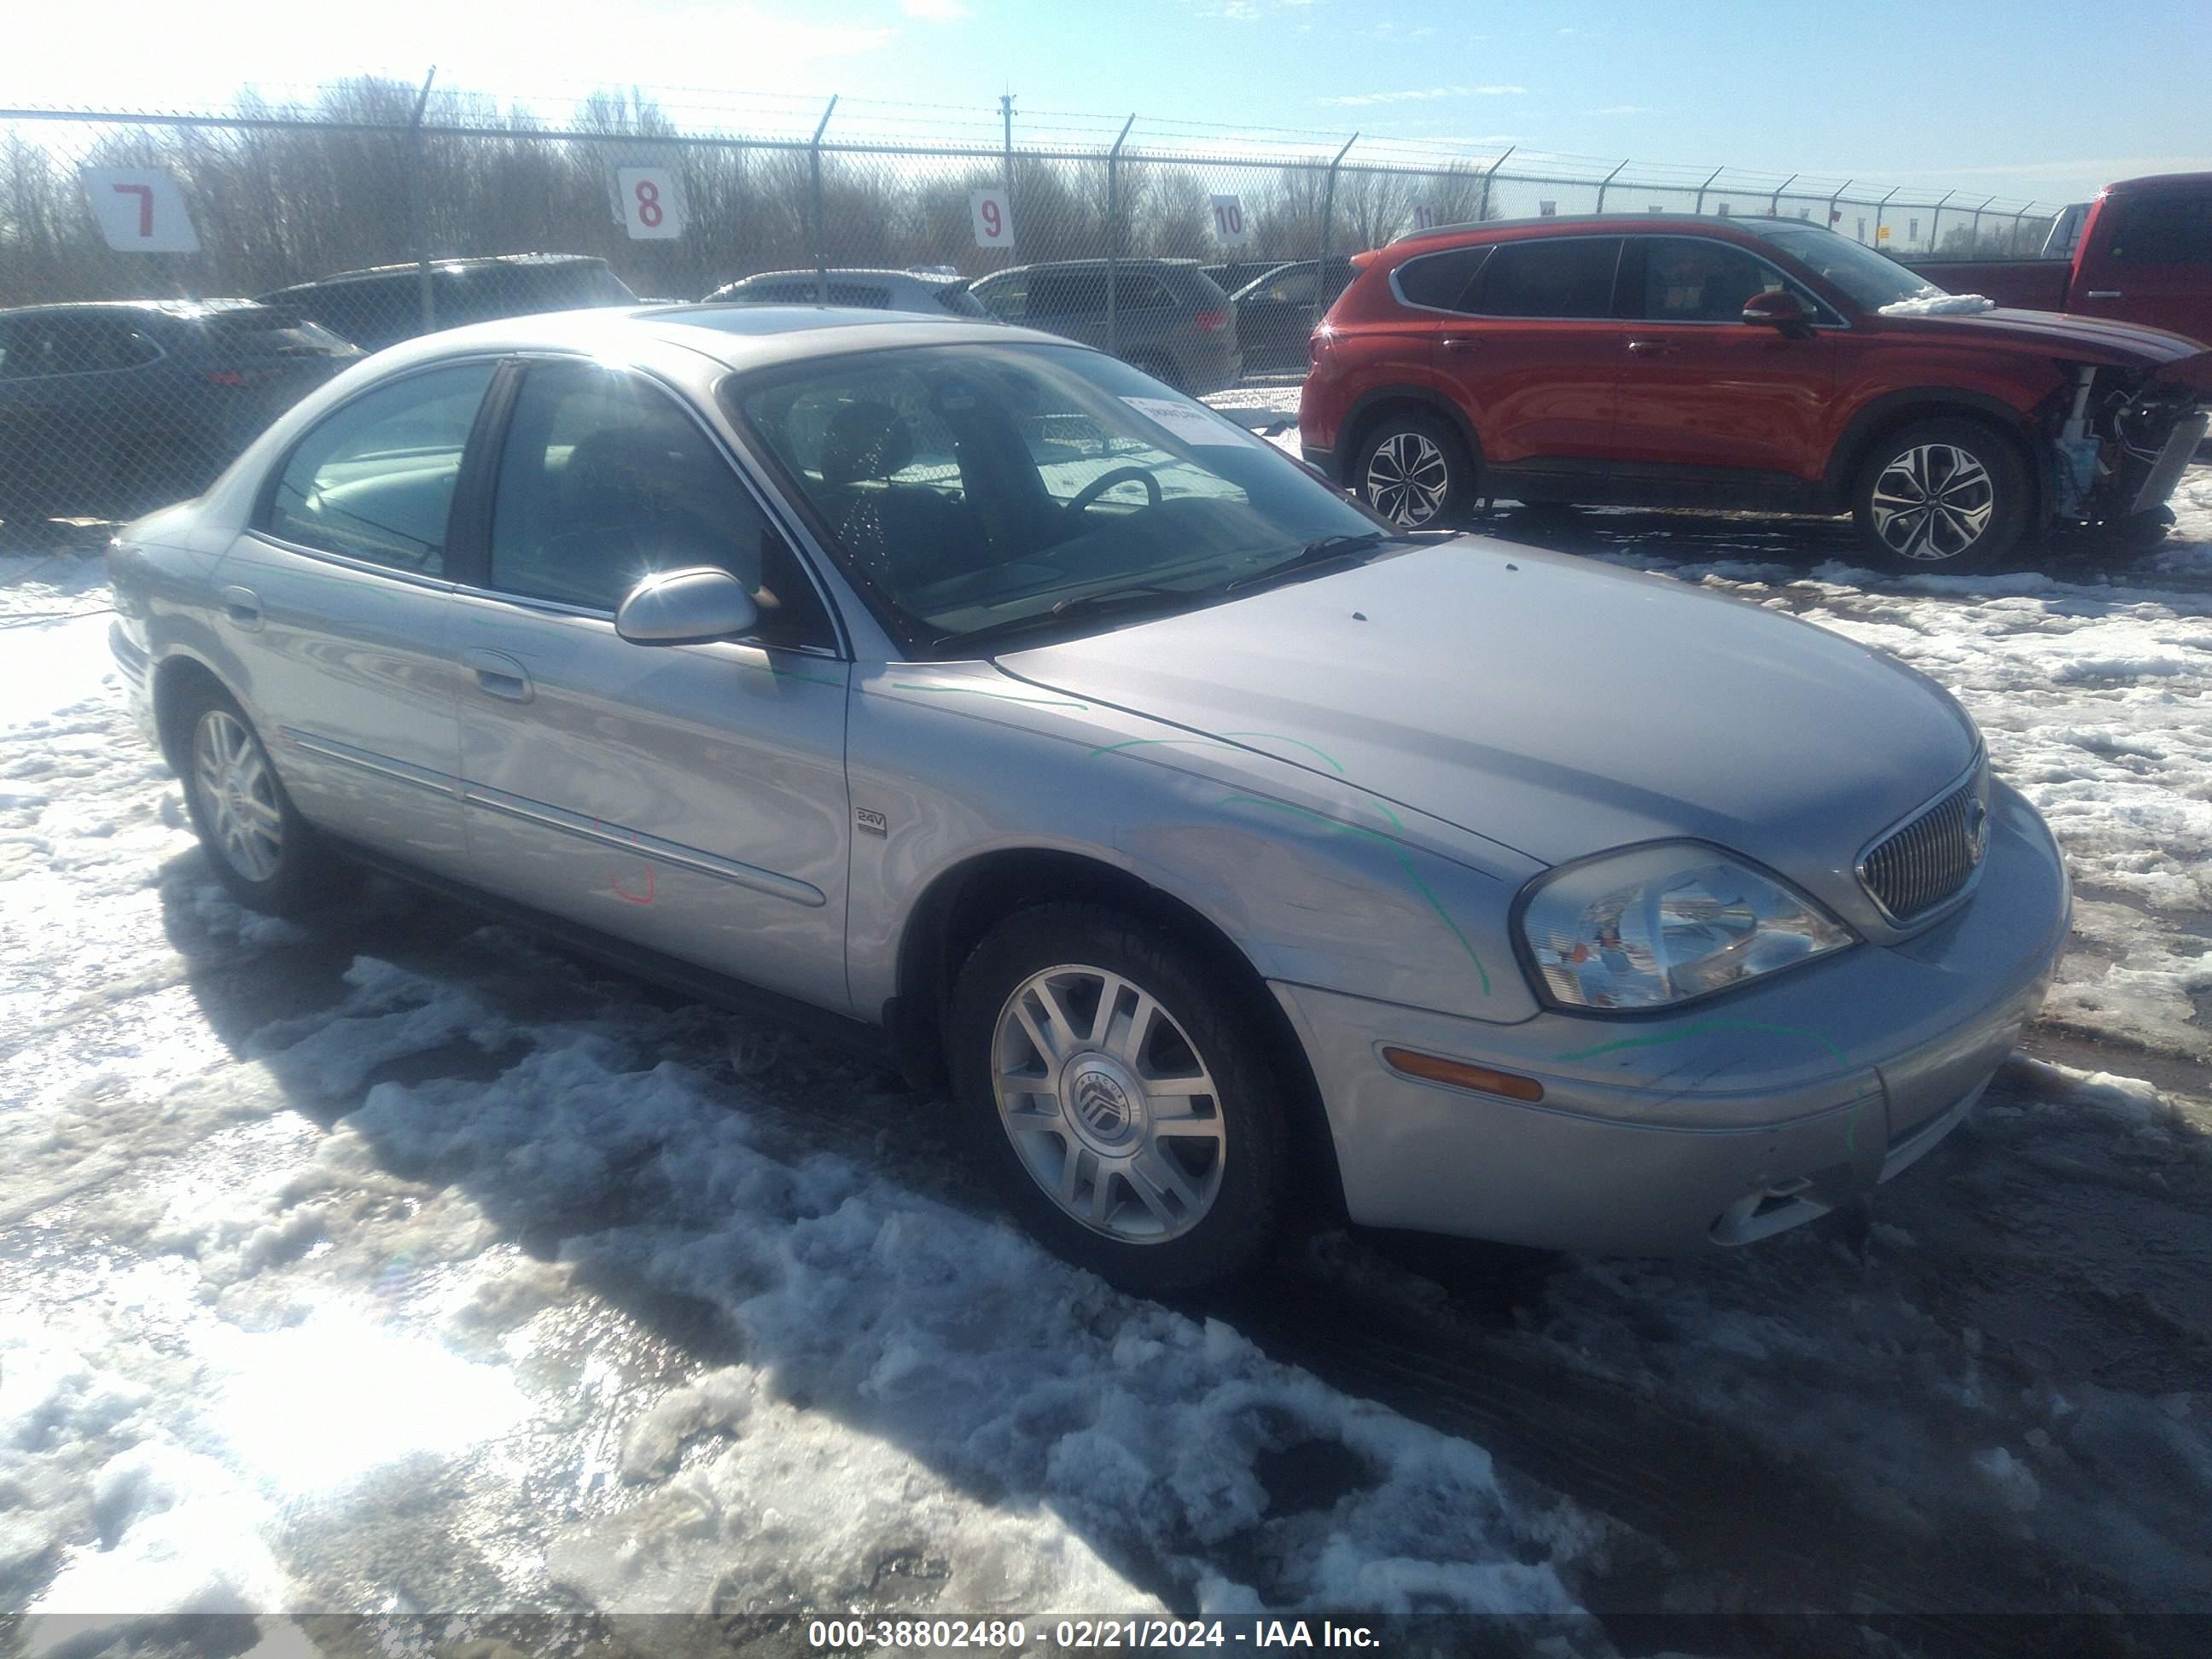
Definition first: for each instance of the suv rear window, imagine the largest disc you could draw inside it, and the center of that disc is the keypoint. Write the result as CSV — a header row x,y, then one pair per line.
x,y
1562,277
2165,230
1440,281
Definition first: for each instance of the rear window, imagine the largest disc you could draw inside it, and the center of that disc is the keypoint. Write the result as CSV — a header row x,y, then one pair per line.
x,y
2165,230
960,302
1440,281
1569,277
274,328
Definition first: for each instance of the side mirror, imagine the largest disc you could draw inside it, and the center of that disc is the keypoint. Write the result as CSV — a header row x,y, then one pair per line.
x,y
1779,308
686,607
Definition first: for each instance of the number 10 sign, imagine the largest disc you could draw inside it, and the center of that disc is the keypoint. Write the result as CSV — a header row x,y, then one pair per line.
x,y
1229,222
140,210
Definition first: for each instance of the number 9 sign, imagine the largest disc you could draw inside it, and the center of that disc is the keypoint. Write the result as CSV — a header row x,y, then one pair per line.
x,y
652,205
994,222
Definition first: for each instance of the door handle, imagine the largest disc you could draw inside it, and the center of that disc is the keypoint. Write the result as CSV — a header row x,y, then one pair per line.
x,y
1462,343
1654,348
2102,294
498,675
243,607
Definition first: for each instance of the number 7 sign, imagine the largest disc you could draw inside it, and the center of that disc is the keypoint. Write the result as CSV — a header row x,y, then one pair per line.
x,y
140,210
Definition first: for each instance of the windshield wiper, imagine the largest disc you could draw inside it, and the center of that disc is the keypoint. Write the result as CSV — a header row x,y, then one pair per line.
x,y
1128,597
1327,550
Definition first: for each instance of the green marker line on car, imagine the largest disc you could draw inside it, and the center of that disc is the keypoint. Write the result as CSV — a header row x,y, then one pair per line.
x,y
1396,852
1706,1025
1216,743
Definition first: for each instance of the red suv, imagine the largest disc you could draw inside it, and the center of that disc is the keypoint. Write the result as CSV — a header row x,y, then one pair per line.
x,y
1763,364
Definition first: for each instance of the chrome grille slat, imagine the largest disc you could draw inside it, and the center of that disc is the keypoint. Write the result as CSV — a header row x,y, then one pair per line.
x,y
1929,859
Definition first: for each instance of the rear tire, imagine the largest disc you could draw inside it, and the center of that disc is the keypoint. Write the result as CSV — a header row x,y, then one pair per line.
x,y
266,854
1153,1189
1941,496
1413,470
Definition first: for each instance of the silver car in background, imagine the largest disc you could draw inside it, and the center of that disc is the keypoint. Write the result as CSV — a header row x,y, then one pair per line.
x,y
1241,862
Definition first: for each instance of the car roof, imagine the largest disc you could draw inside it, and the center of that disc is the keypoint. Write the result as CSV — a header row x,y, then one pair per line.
x,y
187,309
1706,222
472,261
1091,264
2158,181
740,336
926,278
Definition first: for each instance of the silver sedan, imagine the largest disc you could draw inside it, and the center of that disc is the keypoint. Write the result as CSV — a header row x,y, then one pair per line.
x,y
1241,862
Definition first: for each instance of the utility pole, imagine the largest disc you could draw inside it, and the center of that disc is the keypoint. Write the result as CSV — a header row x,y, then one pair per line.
x,y
1006,115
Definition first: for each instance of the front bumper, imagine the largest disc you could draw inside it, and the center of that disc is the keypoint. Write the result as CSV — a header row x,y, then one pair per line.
x,y
1726,1122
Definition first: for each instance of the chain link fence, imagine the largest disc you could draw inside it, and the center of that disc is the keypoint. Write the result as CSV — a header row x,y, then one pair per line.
x,y
371,211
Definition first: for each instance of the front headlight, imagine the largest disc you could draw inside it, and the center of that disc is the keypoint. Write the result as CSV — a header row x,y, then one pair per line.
x,y
1662,924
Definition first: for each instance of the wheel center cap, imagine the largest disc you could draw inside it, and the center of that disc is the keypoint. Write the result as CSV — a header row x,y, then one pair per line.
x,y
1104,1102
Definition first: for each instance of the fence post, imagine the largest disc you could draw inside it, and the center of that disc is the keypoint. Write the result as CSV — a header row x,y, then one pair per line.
x,y
1974,234
1700,209
1603,182
417,210
1006,114
1113,240
1774,202
1482,211
1878,207
1327,210
1936,221
821,233
1833,200
2016,218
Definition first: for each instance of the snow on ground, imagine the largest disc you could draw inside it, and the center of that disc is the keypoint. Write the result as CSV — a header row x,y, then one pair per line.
x,y
329,1283
397,1264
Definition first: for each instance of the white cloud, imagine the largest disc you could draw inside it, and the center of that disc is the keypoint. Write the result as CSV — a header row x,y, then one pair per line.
x,y
1628,109
935,11
1424,96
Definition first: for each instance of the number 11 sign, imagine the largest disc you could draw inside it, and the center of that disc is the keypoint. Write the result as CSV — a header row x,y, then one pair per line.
x,y
140,210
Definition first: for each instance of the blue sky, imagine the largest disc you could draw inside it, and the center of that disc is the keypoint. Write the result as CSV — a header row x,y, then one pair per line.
x,y
2039,99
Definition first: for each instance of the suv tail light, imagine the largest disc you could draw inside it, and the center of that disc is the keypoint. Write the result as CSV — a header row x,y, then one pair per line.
x,y
1315,343
225,377
1213,322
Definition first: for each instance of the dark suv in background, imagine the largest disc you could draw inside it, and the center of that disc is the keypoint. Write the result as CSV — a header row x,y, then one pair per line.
x,y
1758,364
383,306
109,409
1170,318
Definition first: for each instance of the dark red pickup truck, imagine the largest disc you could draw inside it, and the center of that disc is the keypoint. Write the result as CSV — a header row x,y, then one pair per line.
x,y
2144,255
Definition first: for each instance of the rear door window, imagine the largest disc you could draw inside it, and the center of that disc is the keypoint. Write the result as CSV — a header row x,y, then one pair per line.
x,y
374,481
1067,293
1568,276
2165,230
1693,279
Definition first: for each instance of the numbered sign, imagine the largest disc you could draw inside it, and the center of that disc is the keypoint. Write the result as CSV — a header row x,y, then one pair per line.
x,y
1547,209
652,206
1229,222
140,210
994,220
1881,233
1425,216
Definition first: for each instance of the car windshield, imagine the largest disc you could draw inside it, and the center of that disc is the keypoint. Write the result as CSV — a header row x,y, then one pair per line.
x,y
1874,280
987,490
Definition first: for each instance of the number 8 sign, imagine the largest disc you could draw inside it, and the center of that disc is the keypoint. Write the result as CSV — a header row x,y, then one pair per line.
x,y
652,205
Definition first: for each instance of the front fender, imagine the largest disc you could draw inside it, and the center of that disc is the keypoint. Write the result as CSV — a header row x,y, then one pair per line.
x,y
1314,881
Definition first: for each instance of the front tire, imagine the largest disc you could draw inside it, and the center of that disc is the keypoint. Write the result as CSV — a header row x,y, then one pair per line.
x,y
1941,496
1129,1112
264,853
1414,470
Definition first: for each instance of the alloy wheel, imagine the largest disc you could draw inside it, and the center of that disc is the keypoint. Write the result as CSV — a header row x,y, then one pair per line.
x,y
1109,1105
1407,479
238,795
1932,503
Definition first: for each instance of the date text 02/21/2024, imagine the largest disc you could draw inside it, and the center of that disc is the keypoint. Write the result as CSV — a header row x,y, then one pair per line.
x,y
1085,1634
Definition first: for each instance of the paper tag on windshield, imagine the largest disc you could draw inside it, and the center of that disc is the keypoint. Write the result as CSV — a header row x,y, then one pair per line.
x,y
1192,425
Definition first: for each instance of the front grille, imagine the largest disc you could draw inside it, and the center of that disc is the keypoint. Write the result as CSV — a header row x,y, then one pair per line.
x,y
1927,861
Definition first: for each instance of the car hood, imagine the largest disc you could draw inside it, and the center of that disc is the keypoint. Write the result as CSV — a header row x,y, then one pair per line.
x,y
1558,707
2092,339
